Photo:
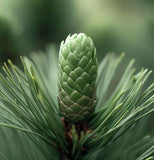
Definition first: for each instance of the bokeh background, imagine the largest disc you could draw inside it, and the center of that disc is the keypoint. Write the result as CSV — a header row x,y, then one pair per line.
x,y
114,25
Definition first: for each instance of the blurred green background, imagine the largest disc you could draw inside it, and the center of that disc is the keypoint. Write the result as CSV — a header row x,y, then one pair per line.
x,y
115,25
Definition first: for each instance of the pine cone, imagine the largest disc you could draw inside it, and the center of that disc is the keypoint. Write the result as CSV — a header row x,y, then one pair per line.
x,y
77,76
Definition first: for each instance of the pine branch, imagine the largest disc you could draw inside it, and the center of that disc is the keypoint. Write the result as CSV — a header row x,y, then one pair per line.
x,y
28,102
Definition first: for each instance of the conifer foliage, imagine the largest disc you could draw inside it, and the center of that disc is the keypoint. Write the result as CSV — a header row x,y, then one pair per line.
x,y
88,118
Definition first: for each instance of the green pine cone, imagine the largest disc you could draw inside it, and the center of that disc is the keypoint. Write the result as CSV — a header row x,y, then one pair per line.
x,y
77,77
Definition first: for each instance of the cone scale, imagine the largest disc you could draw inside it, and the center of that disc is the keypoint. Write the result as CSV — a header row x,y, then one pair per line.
x,y
77,77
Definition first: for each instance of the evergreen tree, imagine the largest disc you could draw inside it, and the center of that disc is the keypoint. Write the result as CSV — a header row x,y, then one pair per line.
x,y
89,122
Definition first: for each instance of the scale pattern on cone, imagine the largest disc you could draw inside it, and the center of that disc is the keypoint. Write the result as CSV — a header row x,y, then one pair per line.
x,y
77,76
